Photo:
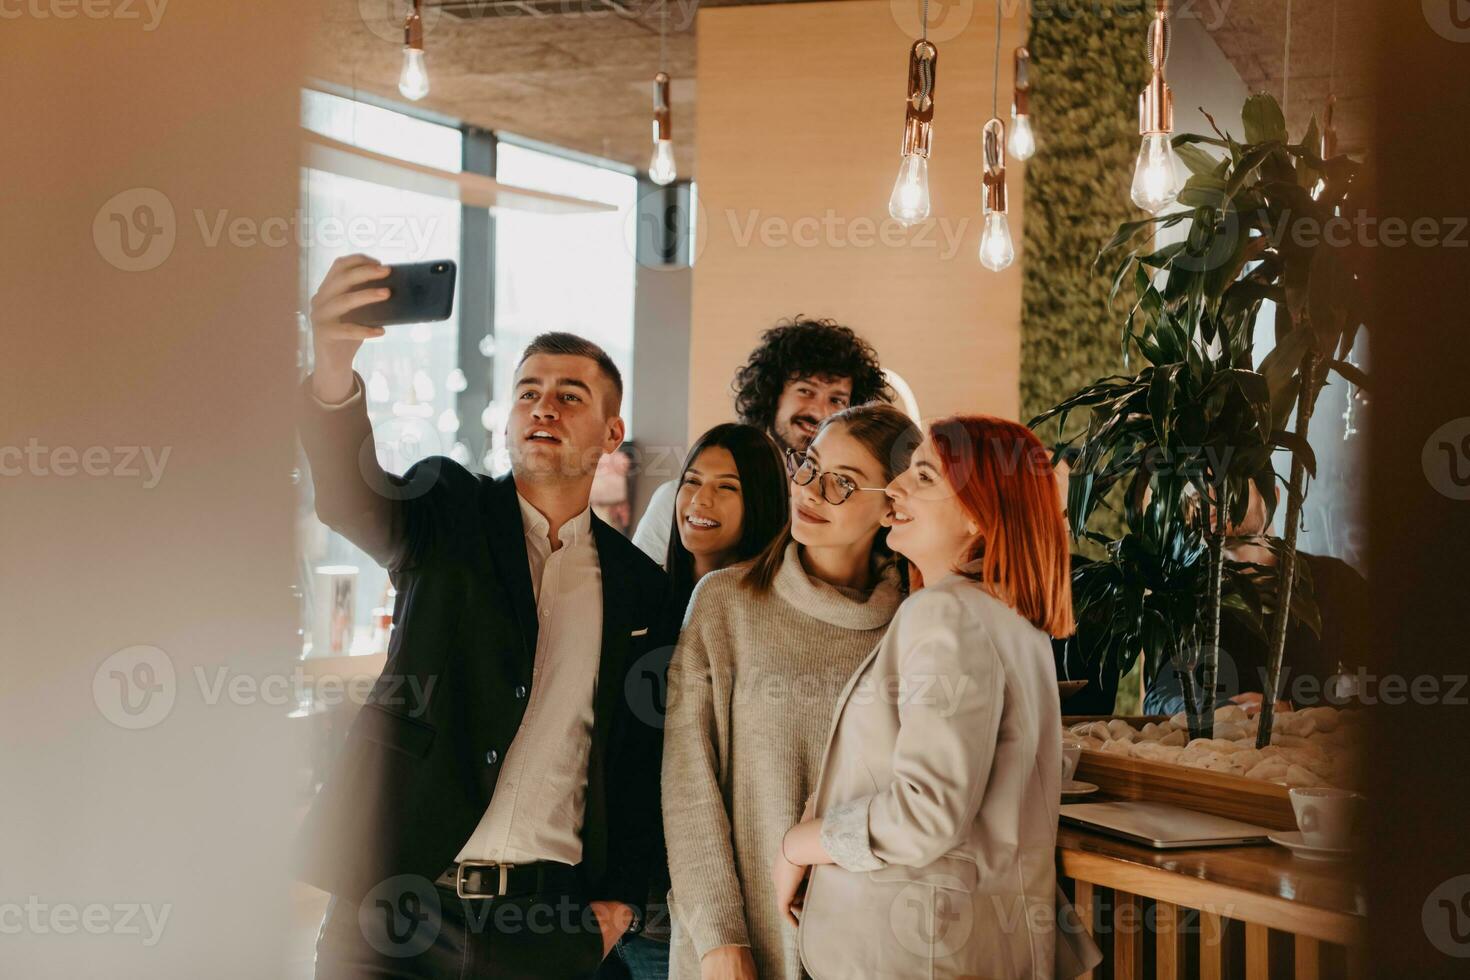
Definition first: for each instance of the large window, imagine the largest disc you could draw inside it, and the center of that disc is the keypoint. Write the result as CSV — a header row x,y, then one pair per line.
x,y
560,272
572,272
411,373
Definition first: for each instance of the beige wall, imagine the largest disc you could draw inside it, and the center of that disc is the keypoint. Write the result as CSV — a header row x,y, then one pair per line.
x,y
147,821
800,114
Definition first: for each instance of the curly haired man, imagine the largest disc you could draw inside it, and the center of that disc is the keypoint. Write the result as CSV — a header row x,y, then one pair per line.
x,y
802,371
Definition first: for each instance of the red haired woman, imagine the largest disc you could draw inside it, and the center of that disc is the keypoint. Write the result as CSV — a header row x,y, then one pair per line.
x,y
931,845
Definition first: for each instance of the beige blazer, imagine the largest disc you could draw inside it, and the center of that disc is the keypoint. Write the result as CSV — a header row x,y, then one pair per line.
x,y
938,796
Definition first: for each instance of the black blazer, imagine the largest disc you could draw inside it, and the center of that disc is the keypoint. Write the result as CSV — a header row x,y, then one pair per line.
x,y
414,779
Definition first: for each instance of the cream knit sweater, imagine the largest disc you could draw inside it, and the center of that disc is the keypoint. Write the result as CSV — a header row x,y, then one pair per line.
x,y
752,688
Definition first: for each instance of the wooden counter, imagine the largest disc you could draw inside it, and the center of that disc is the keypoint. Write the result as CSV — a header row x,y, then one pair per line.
x,y
1252,911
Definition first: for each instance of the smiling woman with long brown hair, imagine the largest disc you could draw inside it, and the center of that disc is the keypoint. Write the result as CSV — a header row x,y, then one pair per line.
x,y
729,507
765,650
932,843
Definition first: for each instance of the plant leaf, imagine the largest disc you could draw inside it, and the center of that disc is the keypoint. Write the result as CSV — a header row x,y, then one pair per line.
x,y
1197,160
1352,373
1263,119
1329,291
1213,125
1161,400
1298,447
1203,190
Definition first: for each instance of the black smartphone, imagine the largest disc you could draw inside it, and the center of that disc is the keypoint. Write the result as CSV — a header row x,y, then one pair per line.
x,y
421,292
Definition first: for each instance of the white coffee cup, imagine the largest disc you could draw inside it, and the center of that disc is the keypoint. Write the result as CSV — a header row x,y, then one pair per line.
x,y
1071,752
1325,815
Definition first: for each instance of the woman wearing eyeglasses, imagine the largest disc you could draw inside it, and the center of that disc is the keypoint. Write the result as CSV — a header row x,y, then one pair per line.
x,y
932,839
766,648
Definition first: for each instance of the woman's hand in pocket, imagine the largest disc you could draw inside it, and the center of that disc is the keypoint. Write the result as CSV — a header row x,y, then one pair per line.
x,y
613,918
789,881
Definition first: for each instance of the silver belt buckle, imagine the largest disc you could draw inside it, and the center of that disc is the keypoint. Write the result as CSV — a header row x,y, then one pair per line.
x,y
465,866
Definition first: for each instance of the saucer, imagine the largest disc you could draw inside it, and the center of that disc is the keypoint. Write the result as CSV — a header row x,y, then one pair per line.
x,y
1292,841
1073,787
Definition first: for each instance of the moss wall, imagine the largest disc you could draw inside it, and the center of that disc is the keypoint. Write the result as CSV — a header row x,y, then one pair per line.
x,y
1088,67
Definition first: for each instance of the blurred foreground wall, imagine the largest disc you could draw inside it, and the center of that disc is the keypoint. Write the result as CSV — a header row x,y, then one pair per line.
x,y
148,194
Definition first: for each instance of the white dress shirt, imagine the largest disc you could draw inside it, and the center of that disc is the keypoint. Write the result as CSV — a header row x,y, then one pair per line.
x,y
536,813
652,536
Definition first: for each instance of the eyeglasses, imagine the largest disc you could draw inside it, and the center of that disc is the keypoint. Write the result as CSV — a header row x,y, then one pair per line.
x,y
835,487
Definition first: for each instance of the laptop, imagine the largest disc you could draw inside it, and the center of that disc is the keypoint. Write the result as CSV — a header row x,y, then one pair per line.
x,y
1162,825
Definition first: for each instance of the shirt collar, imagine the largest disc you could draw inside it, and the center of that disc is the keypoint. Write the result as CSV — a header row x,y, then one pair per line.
x,y
573,532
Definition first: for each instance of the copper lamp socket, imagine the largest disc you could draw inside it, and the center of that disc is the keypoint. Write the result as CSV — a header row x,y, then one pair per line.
x,y
994,178
1156,103
917,136
662,121
413,28
1156,107
919,99
1021,105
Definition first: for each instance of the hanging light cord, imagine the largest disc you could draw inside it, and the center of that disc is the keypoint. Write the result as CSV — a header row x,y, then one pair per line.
x,y
1157,59
926,79
663,37
995,78
925,66
1332,62
1286,65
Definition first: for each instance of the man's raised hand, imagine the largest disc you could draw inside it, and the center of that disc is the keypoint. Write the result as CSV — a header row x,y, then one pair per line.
x,y
334,340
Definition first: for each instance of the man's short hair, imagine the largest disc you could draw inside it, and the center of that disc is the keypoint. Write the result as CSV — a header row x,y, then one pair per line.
x,y
805,348
561,342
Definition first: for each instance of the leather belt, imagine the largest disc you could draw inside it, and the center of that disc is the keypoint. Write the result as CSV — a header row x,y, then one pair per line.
x,y
486,879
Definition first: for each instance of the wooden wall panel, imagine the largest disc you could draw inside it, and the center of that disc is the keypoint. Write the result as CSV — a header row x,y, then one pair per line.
x,y
801,111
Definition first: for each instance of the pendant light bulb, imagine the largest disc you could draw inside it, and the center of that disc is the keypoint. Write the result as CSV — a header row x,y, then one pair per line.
x,y
1156,183
997,250
413,80
661,168
1156,174
1023,140
909,202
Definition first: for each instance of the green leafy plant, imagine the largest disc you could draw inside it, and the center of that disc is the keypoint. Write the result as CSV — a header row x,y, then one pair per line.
x,y
1176,447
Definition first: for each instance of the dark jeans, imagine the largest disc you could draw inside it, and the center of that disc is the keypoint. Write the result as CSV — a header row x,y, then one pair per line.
x,y
641,958
410,928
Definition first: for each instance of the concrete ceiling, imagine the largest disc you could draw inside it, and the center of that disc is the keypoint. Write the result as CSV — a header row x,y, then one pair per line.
x,y
1252,36
577,73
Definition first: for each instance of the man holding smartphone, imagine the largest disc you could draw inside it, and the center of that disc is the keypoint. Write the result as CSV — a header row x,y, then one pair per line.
x,y
509,826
